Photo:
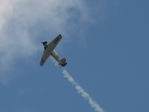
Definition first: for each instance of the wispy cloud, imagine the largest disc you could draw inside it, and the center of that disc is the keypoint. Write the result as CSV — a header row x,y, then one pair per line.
x,y
24,23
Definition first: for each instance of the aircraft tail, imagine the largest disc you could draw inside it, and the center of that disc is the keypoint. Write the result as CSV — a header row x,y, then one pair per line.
x,y
63,62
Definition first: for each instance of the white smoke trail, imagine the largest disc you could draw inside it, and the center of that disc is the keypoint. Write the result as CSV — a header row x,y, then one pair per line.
x,y
82,92
80,89
56,63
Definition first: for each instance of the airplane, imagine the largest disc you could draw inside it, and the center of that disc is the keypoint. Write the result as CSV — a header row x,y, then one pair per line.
x,y
49,50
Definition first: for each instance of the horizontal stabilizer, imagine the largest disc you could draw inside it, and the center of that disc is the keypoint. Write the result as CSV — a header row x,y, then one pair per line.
x,y
63,62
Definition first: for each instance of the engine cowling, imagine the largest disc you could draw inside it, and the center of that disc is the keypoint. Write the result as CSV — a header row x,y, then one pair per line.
x,y
44,43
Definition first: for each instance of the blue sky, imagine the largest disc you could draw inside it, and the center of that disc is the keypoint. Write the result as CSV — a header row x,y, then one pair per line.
x,y
106,46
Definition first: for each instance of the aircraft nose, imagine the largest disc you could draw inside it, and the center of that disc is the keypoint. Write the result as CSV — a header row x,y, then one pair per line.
x,y
44,42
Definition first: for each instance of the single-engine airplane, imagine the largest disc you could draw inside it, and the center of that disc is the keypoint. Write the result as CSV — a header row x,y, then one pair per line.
x,y
49,50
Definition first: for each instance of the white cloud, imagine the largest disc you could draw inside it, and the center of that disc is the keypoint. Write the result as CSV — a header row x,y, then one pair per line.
x,y
5,11
24,23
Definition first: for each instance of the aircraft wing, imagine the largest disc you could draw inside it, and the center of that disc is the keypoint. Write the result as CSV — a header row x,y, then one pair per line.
x,y
54,42
44,58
